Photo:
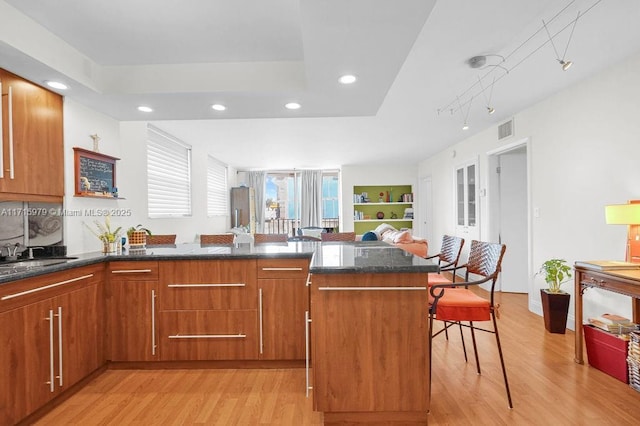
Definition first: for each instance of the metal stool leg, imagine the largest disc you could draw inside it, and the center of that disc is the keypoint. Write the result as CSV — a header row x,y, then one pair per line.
x,y
504,370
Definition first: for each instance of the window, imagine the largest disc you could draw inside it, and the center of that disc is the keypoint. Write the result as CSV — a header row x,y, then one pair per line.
x,y
283,199
168,175
330,205
217,191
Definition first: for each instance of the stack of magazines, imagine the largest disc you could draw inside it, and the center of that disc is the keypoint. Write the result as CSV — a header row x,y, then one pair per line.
x,y
613,323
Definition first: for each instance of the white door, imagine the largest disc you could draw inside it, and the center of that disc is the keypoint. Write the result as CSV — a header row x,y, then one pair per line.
x,y
467,209
512,223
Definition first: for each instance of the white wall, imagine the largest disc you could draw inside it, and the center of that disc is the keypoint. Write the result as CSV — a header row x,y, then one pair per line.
x,y
127,141
584,152
79,123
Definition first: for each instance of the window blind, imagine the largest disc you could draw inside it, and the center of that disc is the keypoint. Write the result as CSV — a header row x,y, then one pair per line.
x,y
168,175
217,190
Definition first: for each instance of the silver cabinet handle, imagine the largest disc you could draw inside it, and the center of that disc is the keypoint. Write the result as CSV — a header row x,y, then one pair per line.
x,y
131,271
370,288
206,285
153,322
1,139
34,290
308,280
10,117
59,315
260,320
51,382
307,321
282,269
207,336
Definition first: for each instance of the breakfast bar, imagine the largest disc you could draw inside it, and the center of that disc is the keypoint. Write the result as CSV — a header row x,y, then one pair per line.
x,y
370,341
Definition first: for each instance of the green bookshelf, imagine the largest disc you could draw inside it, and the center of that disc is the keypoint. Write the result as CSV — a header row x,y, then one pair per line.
x,y
389,200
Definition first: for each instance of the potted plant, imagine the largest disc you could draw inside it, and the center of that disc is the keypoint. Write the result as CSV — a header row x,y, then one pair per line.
x,y
555,301
108,236
137,235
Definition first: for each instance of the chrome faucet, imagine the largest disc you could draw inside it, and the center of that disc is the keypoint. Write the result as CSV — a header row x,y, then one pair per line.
x,y
31,249
11,255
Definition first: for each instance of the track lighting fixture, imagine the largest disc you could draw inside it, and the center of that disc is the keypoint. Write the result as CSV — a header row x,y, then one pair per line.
x,y
497,66
465,126
563,63
490,109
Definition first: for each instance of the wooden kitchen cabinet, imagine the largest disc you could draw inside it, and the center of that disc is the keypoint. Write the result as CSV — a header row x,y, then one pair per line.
x,y
32,145
208,310
55,338
370,347
283,300
132,292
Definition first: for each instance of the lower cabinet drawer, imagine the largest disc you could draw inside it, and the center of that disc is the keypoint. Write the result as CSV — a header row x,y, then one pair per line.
x,y
208,335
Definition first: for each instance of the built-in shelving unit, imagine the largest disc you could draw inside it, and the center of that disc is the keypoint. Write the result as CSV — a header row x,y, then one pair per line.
x,y
376,204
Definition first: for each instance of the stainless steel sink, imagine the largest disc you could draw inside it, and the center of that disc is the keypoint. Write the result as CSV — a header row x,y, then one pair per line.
x,y
23,265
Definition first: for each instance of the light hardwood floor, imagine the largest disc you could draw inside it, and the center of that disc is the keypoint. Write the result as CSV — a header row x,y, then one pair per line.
x,y
546,385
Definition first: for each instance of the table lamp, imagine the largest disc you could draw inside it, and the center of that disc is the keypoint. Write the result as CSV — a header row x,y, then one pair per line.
x,y
627,214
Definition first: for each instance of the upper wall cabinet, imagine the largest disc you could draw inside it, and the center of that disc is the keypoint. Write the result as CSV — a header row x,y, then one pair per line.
x,y
32,146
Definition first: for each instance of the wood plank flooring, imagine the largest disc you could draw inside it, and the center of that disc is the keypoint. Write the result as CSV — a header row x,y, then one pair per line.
x,y
547,388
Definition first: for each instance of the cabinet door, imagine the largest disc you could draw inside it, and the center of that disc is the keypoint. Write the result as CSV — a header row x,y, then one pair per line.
x,y
283,305
26,360
82,332
132,319
33,152
371,347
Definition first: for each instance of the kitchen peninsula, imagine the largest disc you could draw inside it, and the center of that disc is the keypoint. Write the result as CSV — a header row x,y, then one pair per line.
x,y
245,306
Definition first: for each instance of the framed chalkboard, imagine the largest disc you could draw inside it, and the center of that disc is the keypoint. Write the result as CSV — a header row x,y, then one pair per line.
x,y
95,174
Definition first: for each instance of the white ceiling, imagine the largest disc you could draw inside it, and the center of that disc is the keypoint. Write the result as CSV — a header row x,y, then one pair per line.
x,y
414,87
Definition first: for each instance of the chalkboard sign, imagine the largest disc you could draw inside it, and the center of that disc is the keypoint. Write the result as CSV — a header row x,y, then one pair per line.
x,y
95,173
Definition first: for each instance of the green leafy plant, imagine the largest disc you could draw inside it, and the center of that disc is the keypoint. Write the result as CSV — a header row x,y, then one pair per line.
x,y
138,227
104,232
556,272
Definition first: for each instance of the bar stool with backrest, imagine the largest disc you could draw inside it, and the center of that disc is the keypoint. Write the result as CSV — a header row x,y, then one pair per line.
x,y
160,239
270,238
216,238
448,258
338,236
455,302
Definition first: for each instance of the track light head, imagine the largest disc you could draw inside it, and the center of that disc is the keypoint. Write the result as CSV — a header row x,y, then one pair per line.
x,y
565,64
465,126
490,110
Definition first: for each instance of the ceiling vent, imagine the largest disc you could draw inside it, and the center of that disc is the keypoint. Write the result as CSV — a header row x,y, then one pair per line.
x,y
505,130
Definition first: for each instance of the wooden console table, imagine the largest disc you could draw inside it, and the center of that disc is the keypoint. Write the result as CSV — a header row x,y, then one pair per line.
x,y
625,282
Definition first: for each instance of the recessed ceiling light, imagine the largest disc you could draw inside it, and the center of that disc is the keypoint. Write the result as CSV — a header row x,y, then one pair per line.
x,y
292,105
347,79
218,107
145,109
56,85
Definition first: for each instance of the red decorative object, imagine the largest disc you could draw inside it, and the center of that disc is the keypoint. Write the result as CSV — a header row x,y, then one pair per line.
x,y
607,352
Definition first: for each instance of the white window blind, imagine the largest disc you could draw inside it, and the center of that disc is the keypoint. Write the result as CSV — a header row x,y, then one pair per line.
x,y
168,175
217,191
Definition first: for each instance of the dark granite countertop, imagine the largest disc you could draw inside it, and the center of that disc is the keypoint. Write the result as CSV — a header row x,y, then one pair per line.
x,y
328,257
363,257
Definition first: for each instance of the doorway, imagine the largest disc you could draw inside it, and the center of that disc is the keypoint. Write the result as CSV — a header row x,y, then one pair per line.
x,y
509,213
